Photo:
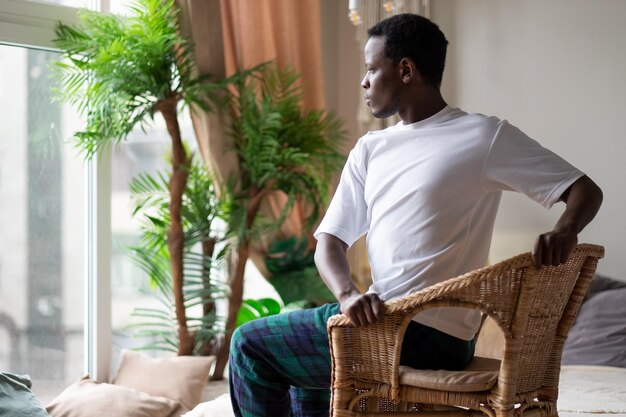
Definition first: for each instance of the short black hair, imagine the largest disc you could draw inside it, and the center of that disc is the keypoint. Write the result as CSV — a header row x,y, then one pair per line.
x,y
416,37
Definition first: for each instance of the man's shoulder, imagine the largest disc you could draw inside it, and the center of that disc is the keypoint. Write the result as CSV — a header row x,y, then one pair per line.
x,y
477,118
454,122
373,133
372,136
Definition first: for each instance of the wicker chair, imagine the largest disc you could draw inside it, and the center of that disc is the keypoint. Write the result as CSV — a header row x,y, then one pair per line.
x,y
534,308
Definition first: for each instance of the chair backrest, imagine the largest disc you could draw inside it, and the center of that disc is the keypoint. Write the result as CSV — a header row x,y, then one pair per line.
x,y
548,305
535,309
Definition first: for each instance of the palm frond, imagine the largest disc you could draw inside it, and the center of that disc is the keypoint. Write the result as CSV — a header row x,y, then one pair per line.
x,y
147,191
116,69
280,145
199,288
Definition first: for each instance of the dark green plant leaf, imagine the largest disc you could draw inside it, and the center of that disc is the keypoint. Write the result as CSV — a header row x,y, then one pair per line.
x,y
304,284
280,146
289,254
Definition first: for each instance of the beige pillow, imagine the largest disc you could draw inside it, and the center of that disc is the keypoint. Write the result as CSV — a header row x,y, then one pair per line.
x,y
179,377
88,398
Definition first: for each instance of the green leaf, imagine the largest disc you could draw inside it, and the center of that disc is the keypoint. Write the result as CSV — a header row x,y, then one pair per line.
x,y
279,145
247,313
252,309
289,254
304,284
116,69
270,306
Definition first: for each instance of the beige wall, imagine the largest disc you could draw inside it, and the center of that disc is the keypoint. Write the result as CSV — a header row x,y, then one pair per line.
x,y
343,63
557,70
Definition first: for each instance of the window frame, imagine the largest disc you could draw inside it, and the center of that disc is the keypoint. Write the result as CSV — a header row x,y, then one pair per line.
x,y
31,24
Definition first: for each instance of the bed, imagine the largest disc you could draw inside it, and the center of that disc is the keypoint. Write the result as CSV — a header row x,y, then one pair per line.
x,y
593,373
585,391
593,370
592,390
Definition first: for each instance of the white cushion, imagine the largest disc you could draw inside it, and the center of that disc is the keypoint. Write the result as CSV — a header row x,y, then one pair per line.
x,y
219,407
480,375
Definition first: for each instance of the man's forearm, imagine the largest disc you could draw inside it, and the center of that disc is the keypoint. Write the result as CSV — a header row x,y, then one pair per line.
x,y
583,200
332,263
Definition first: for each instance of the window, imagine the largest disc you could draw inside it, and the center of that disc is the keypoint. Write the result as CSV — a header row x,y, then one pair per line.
x,y
42,223
71,3
56,315
52,273
67,283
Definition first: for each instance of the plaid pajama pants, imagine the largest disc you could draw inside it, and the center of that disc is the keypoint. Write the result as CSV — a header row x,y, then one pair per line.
x,y
280,365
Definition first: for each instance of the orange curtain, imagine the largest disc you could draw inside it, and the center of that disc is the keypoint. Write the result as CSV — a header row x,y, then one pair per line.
x,y
231,35
201,22
286,31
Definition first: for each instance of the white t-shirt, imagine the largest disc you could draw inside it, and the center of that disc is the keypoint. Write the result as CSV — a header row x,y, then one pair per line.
x,y
427,194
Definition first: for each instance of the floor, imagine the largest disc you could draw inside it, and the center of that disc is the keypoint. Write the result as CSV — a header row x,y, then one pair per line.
x,y
214,389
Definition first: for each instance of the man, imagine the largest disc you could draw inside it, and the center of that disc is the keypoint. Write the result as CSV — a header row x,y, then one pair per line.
x,y
426,192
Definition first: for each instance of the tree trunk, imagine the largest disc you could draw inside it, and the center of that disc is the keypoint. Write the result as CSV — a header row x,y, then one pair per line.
x,y
208,303
236,278
235,299
175,234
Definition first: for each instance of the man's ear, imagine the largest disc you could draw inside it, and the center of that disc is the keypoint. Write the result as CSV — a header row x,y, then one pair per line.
x,y
408,71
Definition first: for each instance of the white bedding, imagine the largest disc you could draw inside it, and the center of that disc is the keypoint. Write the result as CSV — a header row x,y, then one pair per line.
x,y
591,391
584,391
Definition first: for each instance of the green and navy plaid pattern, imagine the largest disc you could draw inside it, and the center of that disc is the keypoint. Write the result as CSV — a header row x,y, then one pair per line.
x,y
280,365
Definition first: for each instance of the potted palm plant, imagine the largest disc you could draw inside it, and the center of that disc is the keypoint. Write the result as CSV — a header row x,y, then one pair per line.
x,y
280,148
120,72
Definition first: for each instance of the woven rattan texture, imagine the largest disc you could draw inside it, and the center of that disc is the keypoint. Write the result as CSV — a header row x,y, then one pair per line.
x,y
534,308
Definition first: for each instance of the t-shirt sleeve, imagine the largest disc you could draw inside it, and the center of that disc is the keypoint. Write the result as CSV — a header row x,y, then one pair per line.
x,y
346,217
518,163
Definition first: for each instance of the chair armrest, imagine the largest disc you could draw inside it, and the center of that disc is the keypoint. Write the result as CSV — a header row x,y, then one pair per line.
x,y
371,353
